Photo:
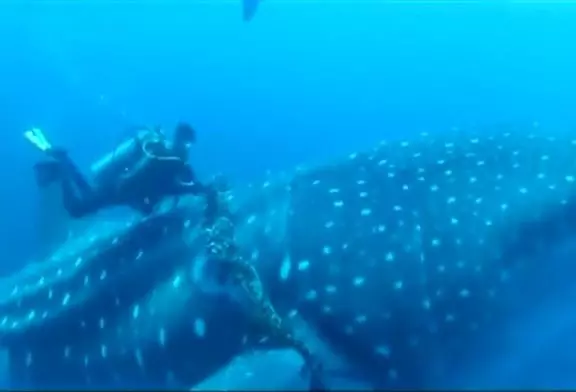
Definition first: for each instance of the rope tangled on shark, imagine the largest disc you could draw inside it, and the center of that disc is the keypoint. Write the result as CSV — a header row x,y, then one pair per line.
x,y
234,271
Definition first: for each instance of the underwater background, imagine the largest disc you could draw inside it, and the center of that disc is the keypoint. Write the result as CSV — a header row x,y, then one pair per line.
x,y
304,81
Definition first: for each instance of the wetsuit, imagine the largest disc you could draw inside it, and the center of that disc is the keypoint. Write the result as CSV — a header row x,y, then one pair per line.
x,y
155,174
161,172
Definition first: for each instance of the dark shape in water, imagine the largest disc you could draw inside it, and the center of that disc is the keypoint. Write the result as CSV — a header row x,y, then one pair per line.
x,y
249,8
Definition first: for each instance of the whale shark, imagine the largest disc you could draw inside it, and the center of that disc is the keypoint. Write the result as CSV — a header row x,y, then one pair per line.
x,y
413,256
409,260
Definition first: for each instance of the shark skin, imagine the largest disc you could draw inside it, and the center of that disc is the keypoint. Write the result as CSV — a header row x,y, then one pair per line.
x,y
407,260
149,314
412,259
72,320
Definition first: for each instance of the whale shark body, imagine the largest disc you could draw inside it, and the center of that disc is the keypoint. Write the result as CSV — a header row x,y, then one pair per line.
x,y
409,260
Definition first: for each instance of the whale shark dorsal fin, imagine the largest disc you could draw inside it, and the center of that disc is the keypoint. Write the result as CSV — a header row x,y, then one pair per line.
x,y
249,8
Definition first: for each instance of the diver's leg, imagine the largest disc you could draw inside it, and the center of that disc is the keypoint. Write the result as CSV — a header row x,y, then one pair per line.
x,y
46,173
72,171
78,204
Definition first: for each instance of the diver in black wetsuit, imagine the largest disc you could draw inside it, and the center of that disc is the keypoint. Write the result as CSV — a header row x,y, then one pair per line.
x,y
139,173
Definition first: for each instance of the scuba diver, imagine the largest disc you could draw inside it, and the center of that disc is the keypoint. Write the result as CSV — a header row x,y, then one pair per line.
x,y
139,173
147,168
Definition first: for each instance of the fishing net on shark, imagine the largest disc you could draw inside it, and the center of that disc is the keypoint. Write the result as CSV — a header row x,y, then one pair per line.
x,y
226,264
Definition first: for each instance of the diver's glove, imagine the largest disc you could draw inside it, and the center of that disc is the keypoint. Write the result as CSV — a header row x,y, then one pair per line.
x,y
37,138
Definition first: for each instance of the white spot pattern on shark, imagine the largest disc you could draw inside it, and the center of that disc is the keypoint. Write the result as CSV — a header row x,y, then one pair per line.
x,y
403,251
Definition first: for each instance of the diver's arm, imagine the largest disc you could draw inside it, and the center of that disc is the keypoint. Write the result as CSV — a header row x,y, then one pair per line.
x,y
187,184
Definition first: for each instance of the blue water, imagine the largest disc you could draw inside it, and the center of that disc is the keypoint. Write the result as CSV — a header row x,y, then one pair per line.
x,y
302,82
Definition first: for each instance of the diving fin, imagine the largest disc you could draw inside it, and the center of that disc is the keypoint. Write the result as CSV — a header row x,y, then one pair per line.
x,y
37,138
47,172
249,8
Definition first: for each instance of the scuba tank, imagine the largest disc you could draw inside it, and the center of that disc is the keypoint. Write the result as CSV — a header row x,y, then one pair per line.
x,y
106,170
